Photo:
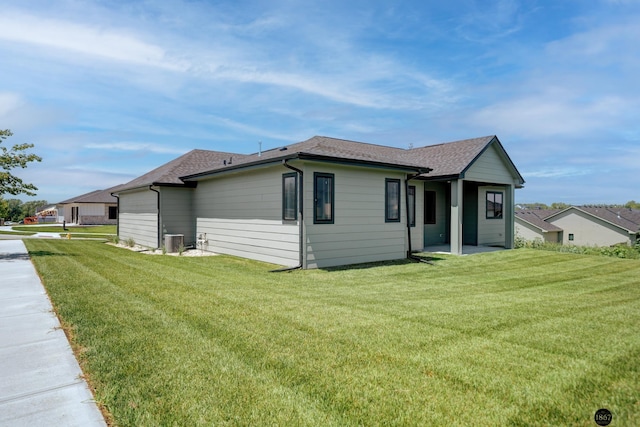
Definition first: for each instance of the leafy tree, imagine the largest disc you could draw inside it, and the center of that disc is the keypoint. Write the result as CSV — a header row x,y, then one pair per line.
x,y
632,204
536,205
4,208
29,208
14,210
12,158
559,205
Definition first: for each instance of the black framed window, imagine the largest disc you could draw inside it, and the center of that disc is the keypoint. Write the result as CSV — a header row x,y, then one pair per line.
x,y
290,196
429,207
571,237
323,197
412,205
494,204
113,212
392,200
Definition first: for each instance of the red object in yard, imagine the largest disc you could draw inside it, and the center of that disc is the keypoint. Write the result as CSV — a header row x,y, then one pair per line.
x,y
31,220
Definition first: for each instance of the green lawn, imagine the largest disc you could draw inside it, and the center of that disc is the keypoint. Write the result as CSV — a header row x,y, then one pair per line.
x,y
18,233
519,337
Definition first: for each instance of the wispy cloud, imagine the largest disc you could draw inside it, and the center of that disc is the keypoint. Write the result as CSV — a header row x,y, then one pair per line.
x,y
553,113
136,83
556,172
136,146
484,22
123,46
261,132
9,102
108,43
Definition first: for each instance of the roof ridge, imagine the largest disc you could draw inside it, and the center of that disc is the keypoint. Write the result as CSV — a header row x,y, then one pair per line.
x,y
357,142
489,138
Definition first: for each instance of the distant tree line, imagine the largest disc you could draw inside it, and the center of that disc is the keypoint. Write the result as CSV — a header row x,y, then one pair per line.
x,y
16,210
631,204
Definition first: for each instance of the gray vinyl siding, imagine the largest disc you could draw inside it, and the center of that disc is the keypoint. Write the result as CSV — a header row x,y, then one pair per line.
x,y
266,241
359,232
176,204
491,231
241,214
490,168
138,218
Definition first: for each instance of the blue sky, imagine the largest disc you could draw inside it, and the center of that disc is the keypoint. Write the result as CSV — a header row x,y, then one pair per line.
x,y
108,90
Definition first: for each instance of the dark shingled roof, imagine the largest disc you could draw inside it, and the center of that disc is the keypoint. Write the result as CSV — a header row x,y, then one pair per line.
x,y
97,196
445,159
339,149
190,163
626,218
536,218
451,158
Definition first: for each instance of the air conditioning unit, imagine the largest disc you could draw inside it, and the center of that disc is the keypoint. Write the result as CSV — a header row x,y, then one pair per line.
x,y
173,242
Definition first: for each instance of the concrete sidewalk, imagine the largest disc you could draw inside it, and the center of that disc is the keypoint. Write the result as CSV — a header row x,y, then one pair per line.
x,y
9,228
40,379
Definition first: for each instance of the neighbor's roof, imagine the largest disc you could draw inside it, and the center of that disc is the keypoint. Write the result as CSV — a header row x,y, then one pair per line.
x,y
97,196
536,217
625,218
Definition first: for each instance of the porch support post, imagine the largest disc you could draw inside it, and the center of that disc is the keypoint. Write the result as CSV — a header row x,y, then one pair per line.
x,y
509,220
456,216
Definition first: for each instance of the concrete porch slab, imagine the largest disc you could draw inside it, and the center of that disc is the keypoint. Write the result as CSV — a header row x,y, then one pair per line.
x,y
466,249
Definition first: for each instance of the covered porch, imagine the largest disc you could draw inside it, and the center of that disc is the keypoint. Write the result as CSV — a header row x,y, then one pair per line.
x,y
469,196
463,216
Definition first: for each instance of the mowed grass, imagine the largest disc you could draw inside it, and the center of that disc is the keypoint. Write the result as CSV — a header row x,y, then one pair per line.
x,y
518,337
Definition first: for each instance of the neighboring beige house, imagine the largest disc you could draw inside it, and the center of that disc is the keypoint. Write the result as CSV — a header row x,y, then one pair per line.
x,y
327,202
581,225
98,207
530,225
47,214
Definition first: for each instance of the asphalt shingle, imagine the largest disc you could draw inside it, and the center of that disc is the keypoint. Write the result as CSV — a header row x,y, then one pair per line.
x,y
447,159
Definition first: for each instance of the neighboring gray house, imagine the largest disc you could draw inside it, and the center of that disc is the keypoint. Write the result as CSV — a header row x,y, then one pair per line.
x,y
583,225
327,202
95,208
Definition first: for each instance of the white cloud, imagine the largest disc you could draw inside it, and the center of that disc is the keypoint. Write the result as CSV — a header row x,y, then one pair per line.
x,y
484,22
9,102
136,146
261,132
608,43
556,172
335,73
553,113
579,85
107,43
